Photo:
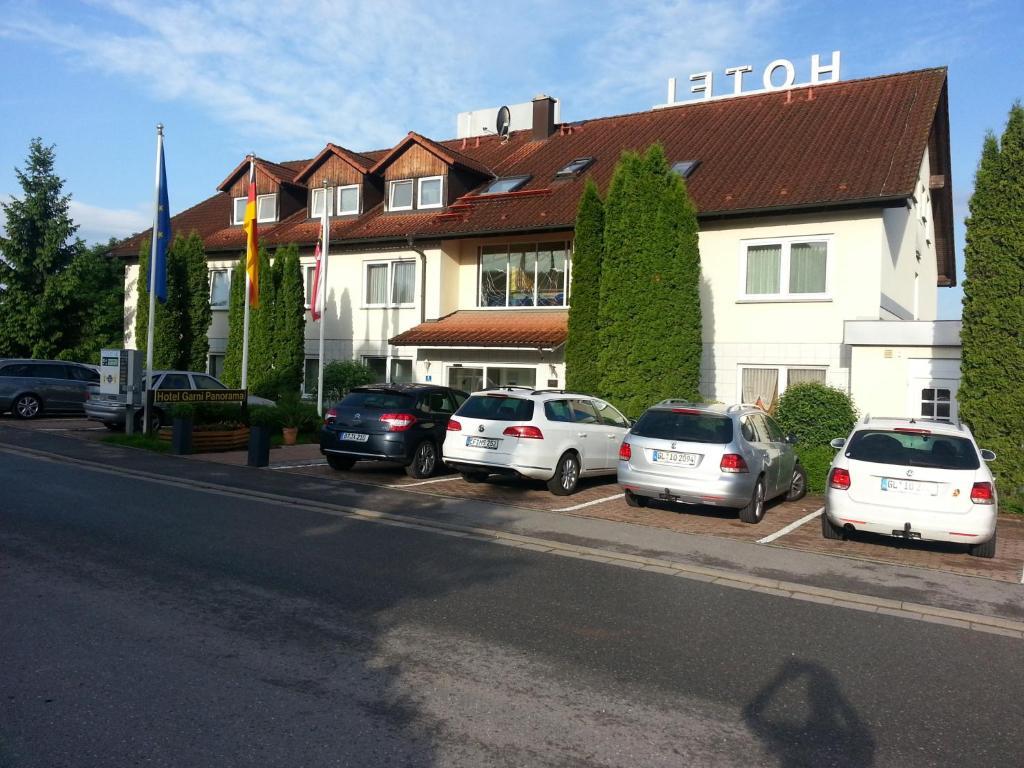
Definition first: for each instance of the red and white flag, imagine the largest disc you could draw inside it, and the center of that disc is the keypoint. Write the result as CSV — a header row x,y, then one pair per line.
x,y
316,300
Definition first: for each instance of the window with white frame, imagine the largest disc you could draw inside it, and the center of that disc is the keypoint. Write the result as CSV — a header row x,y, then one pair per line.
x,y
762,384
266,208
310,375
319,195
348,200
238,210
524,275
220,288
787,269
935,403
379,366
390,284
308,272
215,365
429,193
400,195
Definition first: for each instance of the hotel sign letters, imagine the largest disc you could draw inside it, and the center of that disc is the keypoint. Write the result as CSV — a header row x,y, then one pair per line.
x,y
199,395
777,76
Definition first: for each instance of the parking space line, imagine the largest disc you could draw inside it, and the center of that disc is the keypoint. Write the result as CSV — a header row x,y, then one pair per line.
x,y
791,527
424,482
297,466
588,503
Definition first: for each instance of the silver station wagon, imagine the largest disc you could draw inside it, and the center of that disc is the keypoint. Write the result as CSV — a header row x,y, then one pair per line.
x,y
686,453
30,388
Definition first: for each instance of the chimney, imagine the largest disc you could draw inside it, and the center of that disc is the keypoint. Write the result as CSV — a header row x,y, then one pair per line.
x,y
543,117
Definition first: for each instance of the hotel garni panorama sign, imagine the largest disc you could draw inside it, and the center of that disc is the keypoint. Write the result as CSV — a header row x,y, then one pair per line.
x,y
777,76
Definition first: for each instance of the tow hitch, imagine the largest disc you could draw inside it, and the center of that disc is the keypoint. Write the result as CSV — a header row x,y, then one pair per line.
x,y
906,533
668,496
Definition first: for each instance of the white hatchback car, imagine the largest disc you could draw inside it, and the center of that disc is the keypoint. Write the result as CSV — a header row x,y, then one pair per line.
x,y
548,435
913,479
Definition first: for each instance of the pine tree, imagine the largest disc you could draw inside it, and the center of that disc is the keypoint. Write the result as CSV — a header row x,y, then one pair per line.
x,y
261,374
290,322
991,397
38,246
199,313
170,331
93,289
583,346
142,299
232,374
650,286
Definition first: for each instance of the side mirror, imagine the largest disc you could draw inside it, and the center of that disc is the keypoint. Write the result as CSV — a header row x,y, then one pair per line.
x,y
792,438
988,455
838,442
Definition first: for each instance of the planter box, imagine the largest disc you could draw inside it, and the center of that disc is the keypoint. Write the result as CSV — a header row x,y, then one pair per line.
x,y
210,441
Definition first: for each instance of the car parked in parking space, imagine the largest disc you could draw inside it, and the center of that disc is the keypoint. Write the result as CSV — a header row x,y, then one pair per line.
x,y
915,479
405,423
110,409
546,434
727,456
30,388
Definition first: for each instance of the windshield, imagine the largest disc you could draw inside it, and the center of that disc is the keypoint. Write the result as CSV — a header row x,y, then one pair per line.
x,y
688,427
379,400
497,408
911,449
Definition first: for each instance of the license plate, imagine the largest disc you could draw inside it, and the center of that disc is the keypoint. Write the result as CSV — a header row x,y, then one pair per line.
x,y
675,457
481,442
355,437
916,487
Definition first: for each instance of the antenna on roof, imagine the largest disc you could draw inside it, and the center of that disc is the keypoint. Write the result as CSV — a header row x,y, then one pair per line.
x,y
503,122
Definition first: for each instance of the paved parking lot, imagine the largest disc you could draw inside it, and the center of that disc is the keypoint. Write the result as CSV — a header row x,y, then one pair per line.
x,y
789,525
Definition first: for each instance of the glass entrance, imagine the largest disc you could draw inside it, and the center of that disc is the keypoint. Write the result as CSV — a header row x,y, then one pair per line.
x,y
466,379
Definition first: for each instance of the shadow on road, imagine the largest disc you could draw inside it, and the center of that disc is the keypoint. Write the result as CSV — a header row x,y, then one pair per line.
x,y
804,720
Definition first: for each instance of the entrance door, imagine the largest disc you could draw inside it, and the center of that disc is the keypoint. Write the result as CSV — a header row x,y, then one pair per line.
x,y
467,379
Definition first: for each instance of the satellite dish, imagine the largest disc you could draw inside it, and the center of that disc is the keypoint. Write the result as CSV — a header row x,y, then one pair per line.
x,y
504,118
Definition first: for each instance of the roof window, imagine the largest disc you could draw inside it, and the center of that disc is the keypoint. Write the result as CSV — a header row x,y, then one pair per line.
x,y
507,184
685,167
575,168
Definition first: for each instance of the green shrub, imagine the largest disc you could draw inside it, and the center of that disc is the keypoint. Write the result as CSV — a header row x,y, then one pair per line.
x,y
816,413
340,376
294,412
226,415
264,416
816,460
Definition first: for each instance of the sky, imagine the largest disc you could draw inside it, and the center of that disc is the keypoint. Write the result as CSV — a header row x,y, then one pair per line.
x,y
283,78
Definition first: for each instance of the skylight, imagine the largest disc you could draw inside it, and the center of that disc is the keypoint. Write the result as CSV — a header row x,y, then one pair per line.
x,y
685,167
575,167
507,184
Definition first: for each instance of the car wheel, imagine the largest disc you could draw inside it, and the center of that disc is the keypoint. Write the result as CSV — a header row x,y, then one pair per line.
x,y
830,530
986,549
155,421
340,463
754,511
798,484
27,407
632,500
567,475
424,461
474,477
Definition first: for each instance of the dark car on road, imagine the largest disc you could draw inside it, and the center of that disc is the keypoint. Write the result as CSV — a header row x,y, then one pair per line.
x,y
405,423
30,388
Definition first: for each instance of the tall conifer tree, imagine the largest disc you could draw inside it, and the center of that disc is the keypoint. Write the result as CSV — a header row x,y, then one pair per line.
x,y
232,374
199,313
583,346
991,396
290,321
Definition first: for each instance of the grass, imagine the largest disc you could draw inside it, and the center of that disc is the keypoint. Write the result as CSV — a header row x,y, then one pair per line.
x,y
139,441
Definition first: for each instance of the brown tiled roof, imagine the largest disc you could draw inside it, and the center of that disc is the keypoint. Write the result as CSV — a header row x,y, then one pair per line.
x,y
546,328
857,142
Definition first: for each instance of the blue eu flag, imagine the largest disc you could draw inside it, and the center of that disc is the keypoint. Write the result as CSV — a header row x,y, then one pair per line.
x,y
162,233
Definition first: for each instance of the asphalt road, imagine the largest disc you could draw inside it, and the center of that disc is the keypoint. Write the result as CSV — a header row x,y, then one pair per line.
x,y
142,624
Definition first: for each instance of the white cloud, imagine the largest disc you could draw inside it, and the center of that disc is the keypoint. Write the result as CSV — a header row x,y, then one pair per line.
x,y
97,224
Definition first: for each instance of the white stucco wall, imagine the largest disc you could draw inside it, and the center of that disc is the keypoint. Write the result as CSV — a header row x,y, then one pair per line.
x,y
883,380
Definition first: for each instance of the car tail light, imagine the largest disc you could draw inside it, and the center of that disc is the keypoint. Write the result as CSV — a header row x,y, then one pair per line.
x,y
454,426
982,493
398,422
912,431
625,452
691,411
840,478
527,431
733,462
330,415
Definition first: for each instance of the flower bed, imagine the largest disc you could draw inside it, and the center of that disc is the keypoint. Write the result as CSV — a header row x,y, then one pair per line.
x,y
211,438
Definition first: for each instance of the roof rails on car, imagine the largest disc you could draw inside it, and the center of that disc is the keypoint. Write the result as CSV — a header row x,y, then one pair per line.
x,y
551,392
508,387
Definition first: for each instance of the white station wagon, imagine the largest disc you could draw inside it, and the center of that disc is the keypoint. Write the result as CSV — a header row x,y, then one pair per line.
x,y
914,479
548,435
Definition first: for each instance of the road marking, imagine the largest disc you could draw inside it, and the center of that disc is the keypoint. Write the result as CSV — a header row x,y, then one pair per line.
x,y
72,429
423,482
791,527
588,503
719,577
1022,576
296,466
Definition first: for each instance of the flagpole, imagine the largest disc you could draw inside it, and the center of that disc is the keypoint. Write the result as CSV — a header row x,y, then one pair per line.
x,y
148,374
325,239
245,321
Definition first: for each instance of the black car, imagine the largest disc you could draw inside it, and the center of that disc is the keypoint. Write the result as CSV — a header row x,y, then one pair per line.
x,y
405,423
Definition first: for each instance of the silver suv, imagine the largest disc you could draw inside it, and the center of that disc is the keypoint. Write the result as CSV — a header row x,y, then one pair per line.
x,y
727,456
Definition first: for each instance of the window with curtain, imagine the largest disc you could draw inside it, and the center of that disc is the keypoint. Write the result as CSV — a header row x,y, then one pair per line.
x,y
376,284
390,283
524,275
219,288
796,376
761,386
493,276
321,195
790,268
348,200
403,284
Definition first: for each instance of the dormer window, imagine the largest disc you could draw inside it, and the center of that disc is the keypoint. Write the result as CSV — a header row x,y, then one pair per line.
x,y
266,208
320,195
400,195
685,167
348,200
238,210
429,192
507,184
575,168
